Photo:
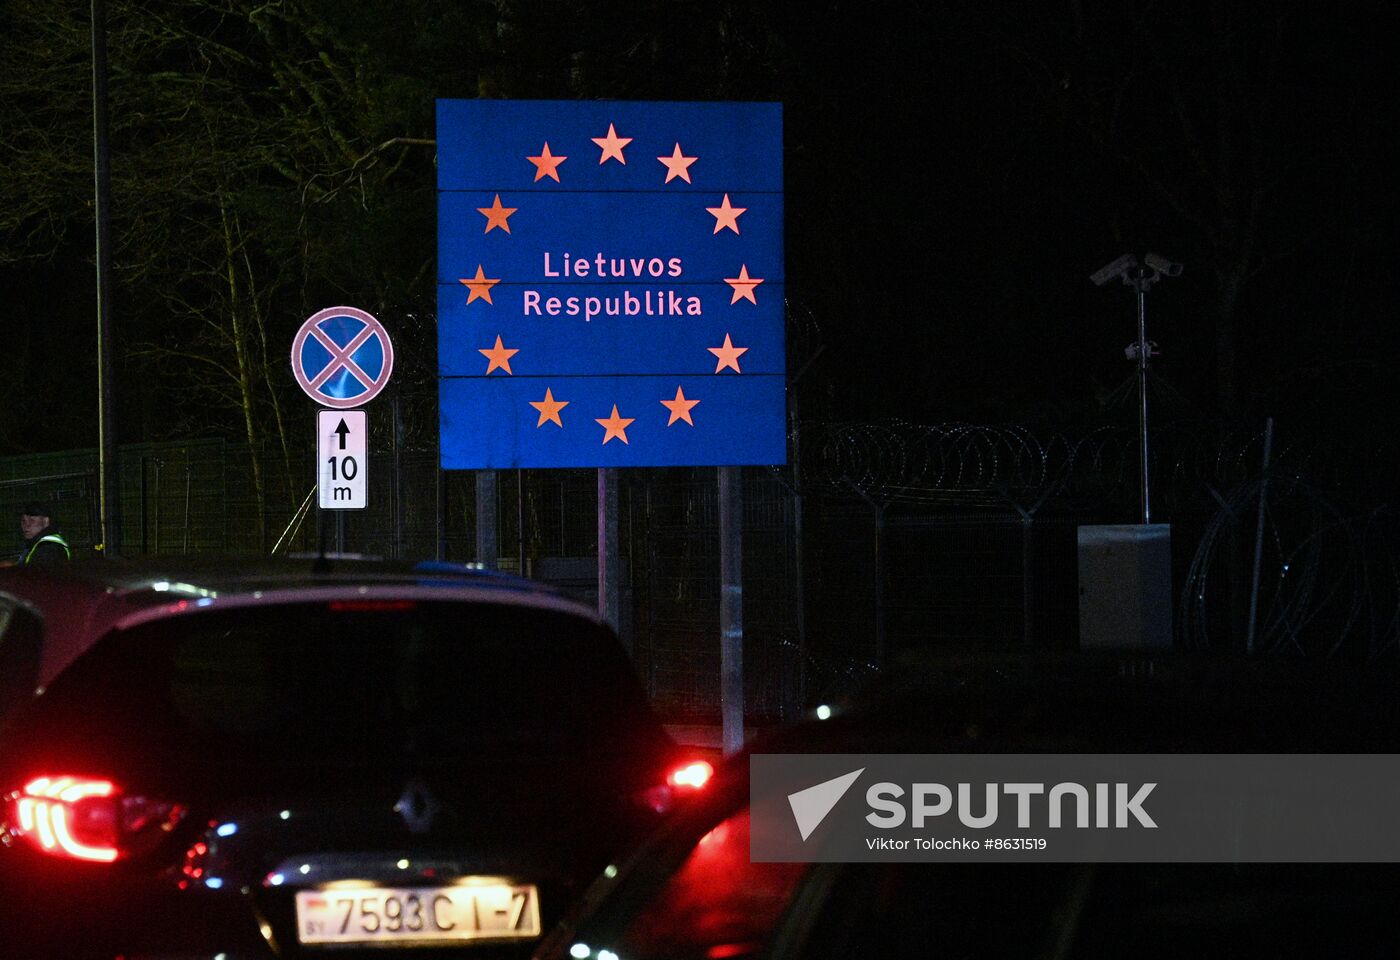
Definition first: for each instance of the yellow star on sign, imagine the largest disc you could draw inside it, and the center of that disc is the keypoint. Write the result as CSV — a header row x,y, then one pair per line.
x,y
680,408
743,285
549,408
546,164
480,286
615,426
726,216
728,355
499,357
497,215
677,165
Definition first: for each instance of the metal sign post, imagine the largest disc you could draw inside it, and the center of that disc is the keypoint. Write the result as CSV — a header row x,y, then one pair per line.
x,y
731,607
609,557
488,549
342,358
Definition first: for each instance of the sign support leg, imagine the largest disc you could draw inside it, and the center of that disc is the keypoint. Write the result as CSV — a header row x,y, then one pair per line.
x,y
609,560
439,534
520,521
398,479
731,607
487,548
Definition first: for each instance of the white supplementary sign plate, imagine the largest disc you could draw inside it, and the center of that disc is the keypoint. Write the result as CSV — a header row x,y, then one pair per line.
x,y
342,459
472,909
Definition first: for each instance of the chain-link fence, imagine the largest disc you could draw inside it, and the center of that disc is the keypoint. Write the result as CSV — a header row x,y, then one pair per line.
x,y
889,538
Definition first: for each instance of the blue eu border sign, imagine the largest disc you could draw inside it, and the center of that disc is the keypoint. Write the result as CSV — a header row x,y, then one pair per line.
x,y
610,284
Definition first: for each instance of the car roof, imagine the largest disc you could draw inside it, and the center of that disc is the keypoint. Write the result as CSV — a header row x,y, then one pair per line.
x,y
82,600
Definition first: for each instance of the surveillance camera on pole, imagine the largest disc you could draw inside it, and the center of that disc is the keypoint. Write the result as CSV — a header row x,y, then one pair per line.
x,y
1125,267
1141,277
1162,265
1125,570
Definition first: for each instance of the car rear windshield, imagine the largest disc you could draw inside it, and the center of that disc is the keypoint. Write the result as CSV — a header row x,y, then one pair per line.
x,y
434,679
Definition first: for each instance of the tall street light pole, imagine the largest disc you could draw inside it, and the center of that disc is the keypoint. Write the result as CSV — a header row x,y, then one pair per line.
x,y
108,475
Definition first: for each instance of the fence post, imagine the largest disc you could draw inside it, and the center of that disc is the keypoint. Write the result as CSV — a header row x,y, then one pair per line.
x,y
879,573
1027,569
145,525
1259,536
1027,582
879,586
159,465
185,541
800,600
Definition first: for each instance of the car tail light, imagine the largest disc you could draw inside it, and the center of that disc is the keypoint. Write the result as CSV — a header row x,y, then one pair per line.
x,y
682,780
691,776
85,818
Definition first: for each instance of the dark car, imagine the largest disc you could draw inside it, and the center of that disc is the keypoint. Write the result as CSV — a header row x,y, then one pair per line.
x,y
692,892
309,758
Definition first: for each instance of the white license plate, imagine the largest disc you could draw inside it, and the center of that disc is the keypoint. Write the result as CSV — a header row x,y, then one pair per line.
x,y
465,911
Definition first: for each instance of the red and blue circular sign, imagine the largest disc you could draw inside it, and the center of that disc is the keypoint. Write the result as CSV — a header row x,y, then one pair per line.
x,y
342,357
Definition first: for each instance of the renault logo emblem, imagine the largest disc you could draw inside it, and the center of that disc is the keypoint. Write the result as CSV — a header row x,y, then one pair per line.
x,y
418,807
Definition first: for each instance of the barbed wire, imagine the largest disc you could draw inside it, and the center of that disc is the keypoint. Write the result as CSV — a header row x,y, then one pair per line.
x,y
1191,464
1330,561
1330,583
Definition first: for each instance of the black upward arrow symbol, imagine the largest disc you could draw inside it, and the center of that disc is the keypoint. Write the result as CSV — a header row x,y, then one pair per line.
x,y
341,431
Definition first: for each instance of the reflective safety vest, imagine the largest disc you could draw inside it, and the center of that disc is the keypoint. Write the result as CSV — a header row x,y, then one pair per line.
x,y
47,538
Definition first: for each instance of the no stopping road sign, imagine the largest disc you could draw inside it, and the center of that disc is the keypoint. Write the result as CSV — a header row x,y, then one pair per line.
x,y
342,357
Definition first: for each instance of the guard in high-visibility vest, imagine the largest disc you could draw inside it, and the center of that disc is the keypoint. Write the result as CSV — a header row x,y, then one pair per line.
x,y
43,544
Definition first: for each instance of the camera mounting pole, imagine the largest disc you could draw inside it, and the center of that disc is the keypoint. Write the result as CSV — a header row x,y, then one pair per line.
x,y
1140,277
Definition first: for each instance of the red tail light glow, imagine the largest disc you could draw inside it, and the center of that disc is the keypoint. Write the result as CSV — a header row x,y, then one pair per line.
x,y
693,775
686,779
61,815
85,818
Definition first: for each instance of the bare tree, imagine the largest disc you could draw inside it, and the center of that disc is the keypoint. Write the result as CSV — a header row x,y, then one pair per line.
x,y
256,159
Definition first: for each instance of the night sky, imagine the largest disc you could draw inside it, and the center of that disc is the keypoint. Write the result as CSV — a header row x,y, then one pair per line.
x,y
954,174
